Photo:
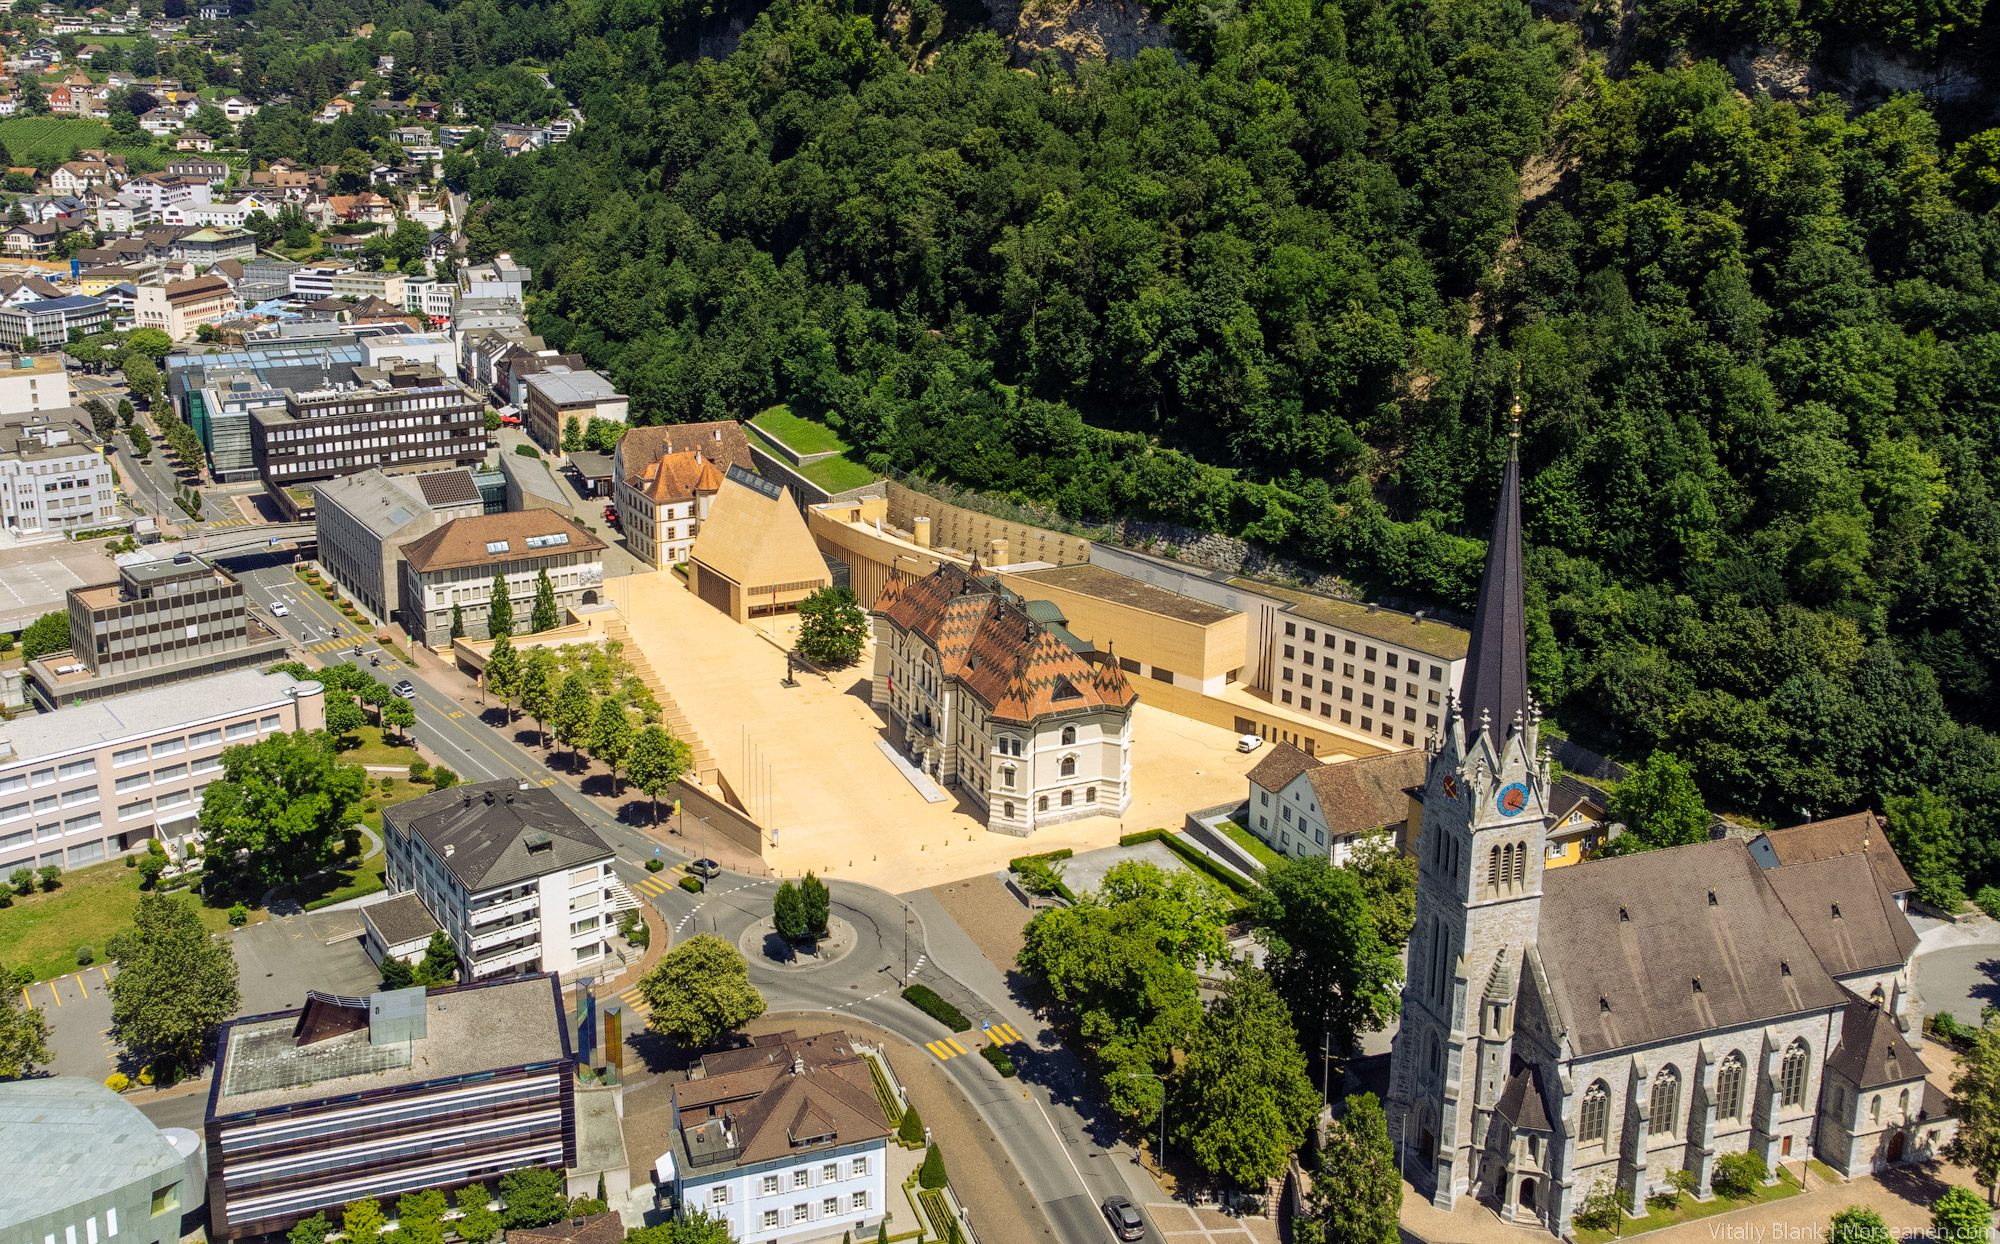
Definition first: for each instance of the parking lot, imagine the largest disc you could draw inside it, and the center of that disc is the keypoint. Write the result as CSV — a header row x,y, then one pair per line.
x,y
34,577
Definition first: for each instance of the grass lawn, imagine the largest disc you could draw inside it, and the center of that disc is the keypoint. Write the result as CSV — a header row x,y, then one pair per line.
x,y
838,474
1265,856
356,878
803,435
400,789
44,930
1691,1210
367,746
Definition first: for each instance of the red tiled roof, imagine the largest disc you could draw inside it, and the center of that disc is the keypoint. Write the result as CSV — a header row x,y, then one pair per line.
x,y
984,638
678,477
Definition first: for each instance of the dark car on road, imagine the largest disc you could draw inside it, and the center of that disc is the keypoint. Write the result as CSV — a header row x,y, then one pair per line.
x,y
1124,1219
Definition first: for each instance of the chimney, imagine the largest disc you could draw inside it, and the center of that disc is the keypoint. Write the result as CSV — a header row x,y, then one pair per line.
x,y
920,531
996,552
798,1065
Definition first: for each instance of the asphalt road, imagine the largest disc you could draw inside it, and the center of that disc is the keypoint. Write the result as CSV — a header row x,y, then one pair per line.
x,y
1068,1151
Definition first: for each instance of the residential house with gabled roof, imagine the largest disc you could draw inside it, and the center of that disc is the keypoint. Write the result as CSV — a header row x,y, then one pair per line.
x,y
663,507
989,694
1301,805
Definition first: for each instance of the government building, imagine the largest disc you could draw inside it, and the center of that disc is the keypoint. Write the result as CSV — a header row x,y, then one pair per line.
x,y
1597,1027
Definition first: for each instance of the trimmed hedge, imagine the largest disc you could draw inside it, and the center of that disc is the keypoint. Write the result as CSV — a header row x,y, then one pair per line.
x,y
1144,835
1047,857
691,884
925,999
998,1057
655,864
1210,869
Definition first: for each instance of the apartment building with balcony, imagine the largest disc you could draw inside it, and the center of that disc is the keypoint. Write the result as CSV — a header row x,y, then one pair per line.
x,y
512,876
94,781
406,1089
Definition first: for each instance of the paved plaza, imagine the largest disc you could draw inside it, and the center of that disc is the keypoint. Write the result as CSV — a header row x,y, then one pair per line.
x,y
836,804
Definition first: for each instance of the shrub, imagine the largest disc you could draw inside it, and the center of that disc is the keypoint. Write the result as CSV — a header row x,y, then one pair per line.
x,y
692,885
1988,899
85,956
527,451
131,861
1050,857
22,977
999,1058
911,1130
925,999
1144,835
443,778
239,916
1039,877
419,771
23,881
655,864
1740,1174
932,1175
117,1082
51,876
145,1075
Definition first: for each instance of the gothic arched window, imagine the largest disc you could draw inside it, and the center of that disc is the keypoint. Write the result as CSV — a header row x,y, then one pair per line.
x,y
1792,1074
1596,1109
1903,1106
1875,1108
1520,864
1493,870
1666,1102
1729,1088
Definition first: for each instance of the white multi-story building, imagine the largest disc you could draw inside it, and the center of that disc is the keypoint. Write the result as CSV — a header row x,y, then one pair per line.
x,y
663,506
454,566
783,1140
33,382
1031,722
95,780
49,479
1301,805
510,874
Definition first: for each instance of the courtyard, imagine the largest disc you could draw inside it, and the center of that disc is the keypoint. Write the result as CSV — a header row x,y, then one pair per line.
x,y
808,766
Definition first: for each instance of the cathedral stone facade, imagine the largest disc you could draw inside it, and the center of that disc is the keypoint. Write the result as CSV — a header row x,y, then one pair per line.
x,y
1599,1026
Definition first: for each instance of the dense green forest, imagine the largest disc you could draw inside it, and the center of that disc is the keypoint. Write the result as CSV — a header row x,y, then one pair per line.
x,y
1281,286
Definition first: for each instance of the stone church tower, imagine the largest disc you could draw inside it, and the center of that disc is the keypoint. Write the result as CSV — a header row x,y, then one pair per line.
x,y
1479,888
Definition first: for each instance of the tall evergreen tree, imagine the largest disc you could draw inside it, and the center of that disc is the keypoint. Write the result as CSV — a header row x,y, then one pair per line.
x,y
545,617
1357,1193
503,672
500,611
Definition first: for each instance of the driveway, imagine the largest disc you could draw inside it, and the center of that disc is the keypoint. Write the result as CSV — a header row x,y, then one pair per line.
x,y
1958,966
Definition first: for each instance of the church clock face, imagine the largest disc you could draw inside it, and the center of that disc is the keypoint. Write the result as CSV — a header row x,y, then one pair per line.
x,y
1513,799
1450,785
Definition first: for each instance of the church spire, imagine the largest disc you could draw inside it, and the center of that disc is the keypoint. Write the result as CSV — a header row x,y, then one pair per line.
x,y
1494,689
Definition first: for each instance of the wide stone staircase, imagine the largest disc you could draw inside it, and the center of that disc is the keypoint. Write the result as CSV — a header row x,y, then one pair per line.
x,y
671,716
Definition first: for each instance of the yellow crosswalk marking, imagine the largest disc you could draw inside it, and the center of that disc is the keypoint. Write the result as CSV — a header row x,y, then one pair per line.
x,y
1011,1034
940,1049
953,1043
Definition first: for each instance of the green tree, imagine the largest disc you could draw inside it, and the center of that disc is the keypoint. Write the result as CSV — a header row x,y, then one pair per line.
x,y
175,984
1389,884
538,689
420,1217
658,760
439,966
1323,952
700,990
932,1174
283,801
1923,831
575,712
46,634
397,713
545,616
611,736
911,1129
1959,1215
24,1037
363,1219
503,672
1243,1099
533,1198
500,609
458,621
476,1223
311,1230
694,1226
572,435
1975,1103
1357,1193
125,413
788,913
1857,1224
815,904
142,377
1660,806
832,627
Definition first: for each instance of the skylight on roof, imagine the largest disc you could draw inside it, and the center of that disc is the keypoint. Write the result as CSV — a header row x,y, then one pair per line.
x,y
500,546
539,542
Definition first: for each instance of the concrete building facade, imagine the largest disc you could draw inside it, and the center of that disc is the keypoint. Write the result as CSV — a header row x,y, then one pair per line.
x,y
51,479
557,395
363,521
401,415
92,782
85,1166
31,382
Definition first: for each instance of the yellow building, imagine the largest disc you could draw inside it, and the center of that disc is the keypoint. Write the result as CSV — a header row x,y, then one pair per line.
x,y
1577,814
754,556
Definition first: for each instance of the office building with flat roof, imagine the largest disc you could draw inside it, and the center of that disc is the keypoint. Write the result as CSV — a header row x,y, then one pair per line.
x,y
83,1166
53,477
363,521
509,872
404,1090
558,394
159,622
88,783
31,382
405,414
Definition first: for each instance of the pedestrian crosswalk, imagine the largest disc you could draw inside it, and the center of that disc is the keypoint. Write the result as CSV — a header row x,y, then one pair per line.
x,y
228,522
634,1002
328,647
999,1033
660,882
946,1049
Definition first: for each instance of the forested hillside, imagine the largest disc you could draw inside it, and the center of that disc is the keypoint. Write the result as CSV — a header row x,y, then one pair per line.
x,y
1282,287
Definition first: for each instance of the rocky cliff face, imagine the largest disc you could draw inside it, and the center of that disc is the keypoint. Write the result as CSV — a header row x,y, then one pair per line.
x,y
1865,77
1077,30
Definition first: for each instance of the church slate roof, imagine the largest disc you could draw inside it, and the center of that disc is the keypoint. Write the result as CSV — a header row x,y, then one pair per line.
x,y
1495,680
984,637
1872,1052
1847,914
1625,939
1860,834
1522,1104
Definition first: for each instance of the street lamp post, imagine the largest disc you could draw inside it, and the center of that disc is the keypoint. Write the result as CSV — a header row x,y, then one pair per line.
x,y
1163,1115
